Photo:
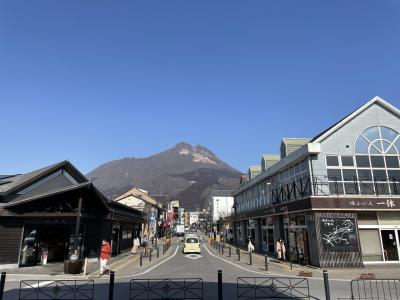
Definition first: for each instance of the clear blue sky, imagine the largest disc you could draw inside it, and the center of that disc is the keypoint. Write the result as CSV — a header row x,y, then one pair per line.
x,y
92,81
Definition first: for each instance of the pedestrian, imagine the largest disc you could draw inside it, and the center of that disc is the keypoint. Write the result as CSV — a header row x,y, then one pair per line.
x,y
104,256
144,244
283,249
280,249
136,245
250,245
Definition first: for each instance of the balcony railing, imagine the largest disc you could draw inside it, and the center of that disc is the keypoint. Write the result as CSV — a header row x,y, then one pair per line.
x,y
326,186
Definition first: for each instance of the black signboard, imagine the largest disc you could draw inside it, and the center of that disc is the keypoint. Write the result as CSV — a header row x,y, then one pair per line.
x,y
338,234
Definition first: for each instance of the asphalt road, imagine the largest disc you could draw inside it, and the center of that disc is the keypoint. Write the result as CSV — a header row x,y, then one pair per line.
x,y
177,265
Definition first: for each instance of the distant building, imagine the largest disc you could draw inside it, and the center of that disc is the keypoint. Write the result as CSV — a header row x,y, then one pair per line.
x,y
193,217
181,213
221,204
141,200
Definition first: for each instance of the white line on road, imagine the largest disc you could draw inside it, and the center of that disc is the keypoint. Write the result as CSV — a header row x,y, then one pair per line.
x,y
153,267
265,273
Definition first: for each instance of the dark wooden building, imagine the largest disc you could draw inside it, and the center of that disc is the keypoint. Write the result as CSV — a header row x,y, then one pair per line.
x,y
45,211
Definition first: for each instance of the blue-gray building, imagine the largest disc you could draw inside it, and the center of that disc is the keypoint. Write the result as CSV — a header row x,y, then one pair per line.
x,y
334,198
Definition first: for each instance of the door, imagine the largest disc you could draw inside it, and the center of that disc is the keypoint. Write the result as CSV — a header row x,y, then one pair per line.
x,y
115,241
390,245
271,240
29,249
264,243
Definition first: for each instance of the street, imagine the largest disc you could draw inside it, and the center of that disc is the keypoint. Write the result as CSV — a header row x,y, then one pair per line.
x,y
177,265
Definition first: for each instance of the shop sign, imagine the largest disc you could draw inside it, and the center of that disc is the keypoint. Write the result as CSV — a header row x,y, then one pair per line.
x,y
338,234
252,223
357,203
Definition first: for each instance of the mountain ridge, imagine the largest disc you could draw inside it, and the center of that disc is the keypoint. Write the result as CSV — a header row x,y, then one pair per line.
x,y
171,172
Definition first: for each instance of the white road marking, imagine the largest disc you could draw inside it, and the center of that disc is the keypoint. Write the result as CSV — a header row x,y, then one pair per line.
x,y
39,284
268,273
193,256
153,267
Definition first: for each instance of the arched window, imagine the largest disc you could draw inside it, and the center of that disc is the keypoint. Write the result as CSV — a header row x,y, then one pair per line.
x,y
374,168
378,140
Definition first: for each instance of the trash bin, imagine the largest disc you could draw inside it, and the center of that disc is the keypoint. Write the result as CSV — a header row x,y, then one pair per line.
x,y
73,266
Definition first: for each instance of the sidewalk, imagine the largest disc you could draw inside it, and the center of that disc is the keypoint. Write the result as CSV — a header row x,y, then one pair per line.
x,y
279,268
115,262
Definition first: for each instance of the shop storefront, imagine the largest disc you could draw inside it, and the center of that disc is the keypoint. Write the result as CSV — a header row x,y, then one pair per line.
x,y
379,236
267,235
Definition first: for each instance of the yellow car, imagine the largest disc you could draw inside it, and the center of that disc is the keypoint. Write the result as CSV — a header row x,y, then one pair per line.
x,y
192,245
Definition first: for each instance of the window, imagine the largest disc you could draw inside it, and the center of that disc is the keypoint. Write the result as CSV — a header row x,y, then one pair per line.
x,y
377,162
362,161
374,169
364,175
332,161
347,161
334,174
349,175
394,175
392,161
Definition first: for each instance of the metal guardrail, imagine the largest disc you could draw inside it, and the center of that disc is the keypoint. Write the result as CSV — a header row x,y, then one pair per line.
x,y
272,288
58,289
375,289
176,288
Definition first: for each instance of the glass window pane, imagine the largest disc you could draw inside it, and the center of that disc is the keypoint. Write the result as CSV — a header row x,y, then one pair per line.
x,y
350,188
364,174
304,165
332,161
362,161
395,188
397,144
379,175
361,145
349,175
347,161
377,145
388,134
367,188
373,150
394,175
392,161
371,133
377,162
385,145
391,150
383,188
334,174
336,188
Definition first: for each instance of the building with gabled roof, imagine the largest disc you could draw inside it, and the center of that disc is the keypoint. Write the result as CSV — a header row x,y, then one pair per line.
x,y
334,199
58,211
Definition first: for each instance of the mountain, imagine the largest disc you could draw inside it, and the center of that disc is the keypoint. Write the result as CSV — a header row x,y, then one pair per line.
x,y
184,172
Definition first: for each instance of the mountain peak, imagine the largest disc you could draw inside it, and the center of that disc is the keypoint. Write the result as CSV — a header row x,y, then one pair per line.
x,y
183,145
184,172
199,154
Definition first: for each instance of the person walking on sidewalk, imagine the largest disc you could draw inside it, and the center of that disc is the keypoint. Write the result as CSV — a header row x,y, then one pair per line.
x,y
280,249
104,256
250,245
136,245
